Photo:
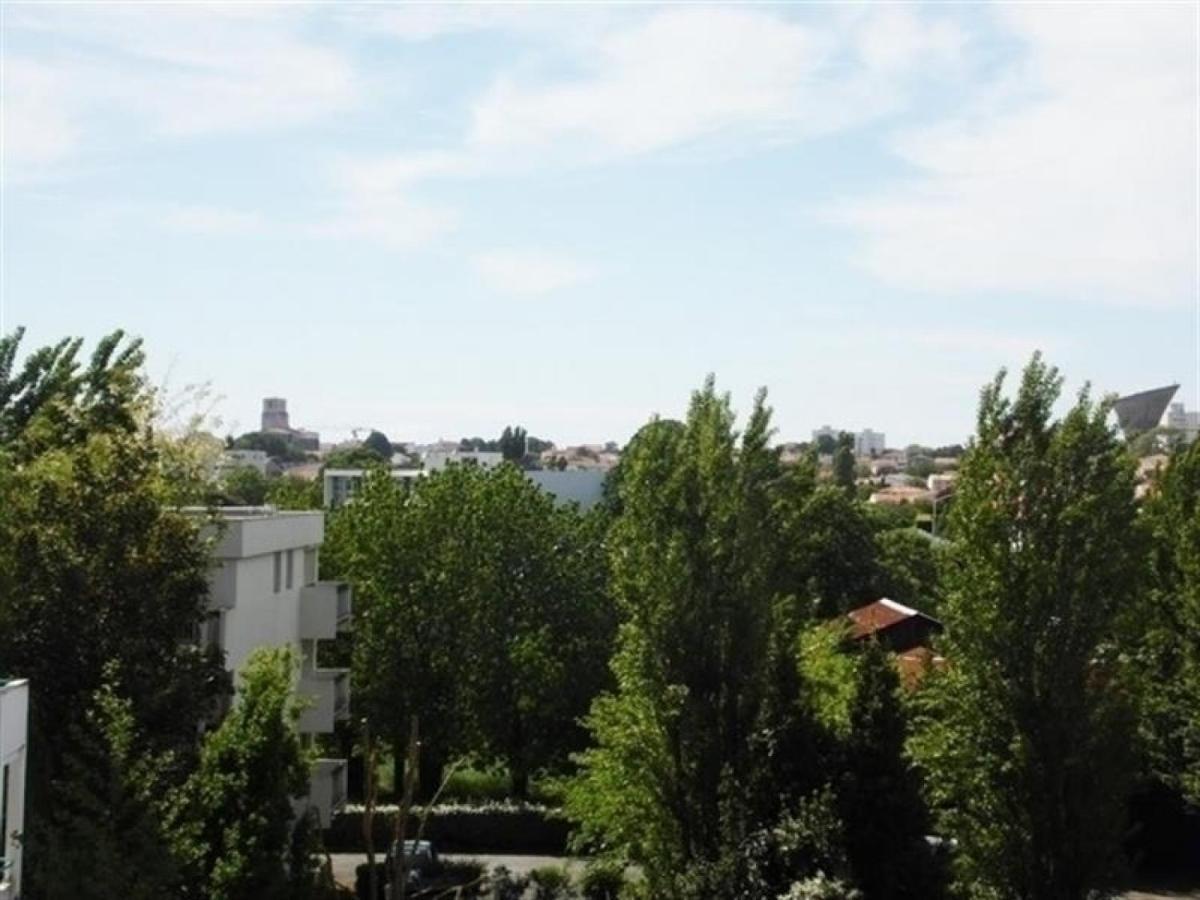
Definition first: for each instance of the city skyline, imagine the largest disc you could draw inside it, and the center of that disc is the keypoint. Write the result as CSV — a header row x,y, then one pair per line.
x,y
440,220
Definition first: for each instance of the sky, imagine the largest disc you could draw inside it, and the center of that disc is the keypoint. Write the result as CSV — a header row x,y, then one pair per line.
x,y
438,219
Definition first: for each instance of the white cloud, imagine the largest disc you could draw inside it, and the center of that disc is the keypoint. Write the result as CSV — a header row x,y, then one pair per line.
x,y
527,273
212,220
685,73
161,71
1072,176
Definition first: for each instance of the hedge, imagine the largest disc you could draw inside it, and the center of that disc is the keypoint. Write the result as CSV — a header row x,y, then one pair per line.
x,y
491,828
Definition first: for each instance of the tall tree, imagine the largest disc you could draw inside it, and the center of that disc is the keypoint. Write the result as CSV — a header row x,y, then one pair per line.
x,y
1171,620
843,463
1029,728
694,559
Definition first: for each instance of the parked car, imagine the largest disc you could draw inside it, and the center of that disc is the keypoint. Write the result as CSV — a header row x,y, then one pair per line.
x,y
420,857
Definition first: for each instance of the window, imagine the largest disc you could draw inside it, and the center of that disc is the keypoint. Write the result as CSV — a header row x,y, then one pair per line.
x,y
278,571
290,560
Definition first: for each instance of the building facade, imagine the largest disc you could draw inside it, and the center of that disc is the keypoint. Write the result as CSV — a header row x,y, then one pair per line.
x,y
14,712
582,486
264,592
1184,420
869,443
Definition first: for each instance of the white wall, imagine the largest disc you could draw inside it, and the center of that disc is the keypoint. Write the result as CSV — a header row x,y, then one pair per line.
x,y
14,711
582,486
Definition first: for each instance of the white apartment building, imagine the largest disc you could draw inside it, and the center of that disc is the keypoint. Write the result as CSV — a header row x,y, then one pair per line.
x,y
582,486
243,459
439,459
264,592
341,484
869,443
14,711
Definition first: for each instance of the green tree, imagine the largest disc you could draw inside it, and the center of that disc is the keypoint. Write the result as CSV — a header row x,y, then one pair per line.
x,y
361,457
481,609
695,559
882,811
107,838
910,564
832,549
277,446
244,486
1171,621
512,443
232,823
377,441
843,463
291,492
1027,733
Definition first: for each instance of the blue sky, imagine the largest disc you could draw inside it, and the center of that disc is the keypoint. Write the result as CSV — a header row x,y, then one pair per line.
x,y
439,219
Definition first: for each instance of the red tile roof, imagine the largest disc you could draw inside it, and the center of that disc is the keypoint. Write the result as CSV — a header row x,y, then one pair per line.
x,y
875,617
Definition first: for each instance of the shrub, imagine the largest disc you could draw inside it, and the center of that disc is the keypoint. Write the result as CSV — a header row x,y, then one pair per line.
x,y
550,883
507,886
602,880
821,887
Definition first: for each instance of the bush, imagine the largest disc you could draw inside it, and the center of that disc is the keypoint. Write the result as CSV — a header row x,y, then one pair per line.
x,y
602,880
493,828
507,886
550,883
821,887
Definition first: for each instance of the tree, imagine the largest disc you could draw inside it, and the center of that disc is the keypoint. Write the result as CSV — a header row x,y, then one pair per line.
x,y
378,443
879,797
910,568
361,457
291,492
232,825
1171,622
696,558
512,443
244,486
106,838
832,551
1026,734
276,446
481,609
843,463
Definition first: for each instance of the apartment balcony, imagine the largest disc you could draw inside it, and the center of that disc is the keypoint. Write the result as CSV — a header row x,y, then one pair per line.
x,y
327,789
327,693
325,609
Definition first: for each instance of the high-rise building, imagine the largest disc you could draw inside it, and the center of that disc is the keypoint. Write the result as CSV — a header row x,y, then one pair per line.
x,y
1187,421
869,443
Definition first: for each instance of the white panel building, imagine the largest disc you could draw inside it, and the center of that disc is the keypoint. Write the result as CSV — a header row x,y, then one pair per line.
x,y
265,592
14,712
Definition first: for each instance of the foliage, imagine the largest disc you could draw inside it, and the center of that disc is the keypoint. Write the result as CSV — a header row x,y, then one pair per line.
x,y
843,463
834,548
821,887
550,883
512,443
1171,619
378,443
910,565
481,608
244,486
232,823
602,880
698,556
105,837
1026,735
291,492
879,797
360,457
277,446
829,672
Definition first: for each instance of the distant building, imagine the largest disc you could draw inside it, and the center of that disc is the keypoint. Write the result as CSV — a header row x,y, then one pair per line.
x,y
1186,421
275,421
582,486
897,495
940,482
869,443
264,592
14,714
1142,411
341,484
439,459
